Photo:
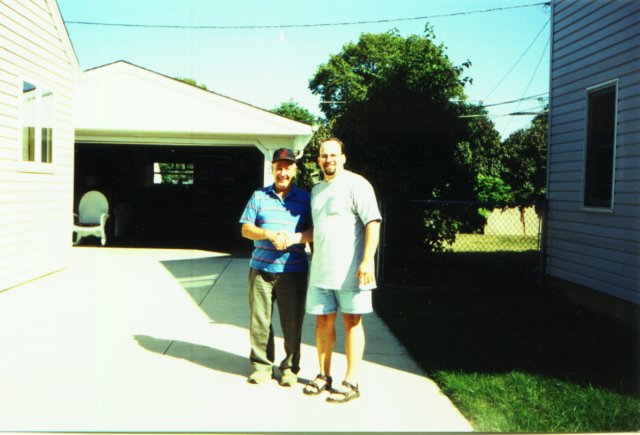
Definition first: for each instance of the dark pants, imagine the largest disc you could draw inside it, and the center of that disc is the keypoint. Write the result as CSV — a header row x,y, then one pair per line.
x,y
288,290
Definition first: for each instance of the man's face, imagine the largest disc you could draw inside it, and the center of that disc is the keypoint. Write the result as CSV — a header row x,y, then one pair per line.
x,y
331,159
283,172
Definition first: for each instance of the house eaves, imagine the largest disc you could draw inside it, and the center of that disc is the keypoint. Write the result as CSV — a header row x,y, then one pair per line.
x,y
124,100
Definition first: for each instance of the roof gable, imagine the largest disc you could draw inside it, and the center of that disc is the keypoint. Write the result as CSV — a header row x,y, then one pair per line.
x,y
58,21
123,96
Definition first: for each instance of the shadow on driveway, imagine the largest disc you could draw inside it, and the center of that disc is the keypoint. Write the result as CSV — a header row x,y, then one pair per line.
x,y
205,356
218,285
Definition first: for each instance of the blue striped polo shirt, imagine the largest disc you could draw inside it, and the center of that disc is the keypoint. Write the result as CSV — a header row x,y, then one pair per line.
x,y
291,214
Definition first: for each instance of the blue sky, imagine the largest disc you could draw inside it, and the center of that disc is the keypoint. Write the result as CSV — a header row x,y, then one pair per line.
x,y
266,66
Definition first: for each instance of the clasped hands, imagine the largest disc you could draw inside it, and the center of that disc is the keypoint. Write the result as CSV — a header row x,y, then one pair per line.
x,y
282,240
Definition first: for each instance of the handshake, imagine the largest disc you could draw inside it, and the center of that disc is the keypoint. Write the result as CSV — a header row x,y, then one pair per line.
x,y
282,240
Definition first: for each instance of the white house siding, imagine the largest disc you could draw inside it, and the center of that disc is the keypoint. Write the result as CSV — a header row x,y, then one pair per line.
x,y
594,42
35,205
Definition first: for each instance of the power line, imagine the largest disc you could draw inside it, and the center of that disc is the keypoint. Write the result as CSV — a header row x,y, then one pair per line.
x,y
519,59
537,66
484,116
483,100
503,115
532,75
542,96
532,97
531,109
281,26
525,113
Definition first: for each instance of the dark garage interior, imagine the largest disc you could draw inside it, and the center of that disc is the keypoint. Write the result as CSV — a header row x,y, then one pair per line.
x,y
171,196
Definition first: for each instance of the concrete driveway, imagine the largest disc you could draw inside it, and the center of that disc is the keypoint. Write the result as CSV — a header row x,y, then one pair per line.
x,y
156,340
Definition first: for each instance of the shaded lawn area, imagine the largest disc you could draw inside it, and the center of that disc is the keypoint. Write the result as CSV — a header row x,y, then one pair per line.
x,y
497,269
511,356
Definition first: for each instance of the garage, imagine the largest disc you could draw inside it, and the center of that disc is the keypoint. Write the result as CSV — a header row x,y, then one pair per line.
x,y
170,196
177,163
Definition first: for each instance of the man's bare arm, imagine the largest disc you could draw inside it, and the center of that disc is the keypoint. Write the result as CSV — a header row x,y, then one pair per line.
x,y
305,236
367,269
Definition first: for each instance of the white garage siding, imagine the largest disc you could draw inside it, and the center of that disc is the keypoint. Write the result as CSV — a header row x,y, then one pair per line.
x,y
154,109
594,43
35,198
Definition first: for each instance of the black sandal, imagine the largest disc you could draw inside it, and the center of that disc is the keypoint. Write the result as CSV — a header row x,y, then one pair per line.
x,y
352,392
314,388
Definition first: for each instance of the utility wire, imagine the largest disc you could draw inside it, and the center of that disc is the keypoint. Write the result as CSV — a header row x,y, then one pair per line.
x,y
536,69
532,77
280,26
541,96
519,59
503,115
531,109
532,97
482,100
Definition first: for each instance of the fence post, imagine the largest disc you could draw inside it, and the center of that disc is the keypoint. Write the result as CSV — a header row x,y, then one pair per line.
x,y
542,263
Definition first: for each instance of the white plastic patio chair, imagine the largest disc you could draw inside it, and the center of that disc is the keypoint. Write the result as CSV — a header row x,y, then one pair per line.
x,y
93,212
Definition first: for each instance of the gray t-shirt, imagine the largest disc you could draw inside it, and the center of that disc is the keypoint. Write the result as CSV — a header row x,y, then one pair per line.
x,y
340,208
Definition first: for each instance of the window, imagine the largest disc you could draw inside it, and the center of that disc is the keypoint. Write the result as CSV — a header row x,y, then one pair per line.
x,y
600,146
29,114
37,110
173,173
46,127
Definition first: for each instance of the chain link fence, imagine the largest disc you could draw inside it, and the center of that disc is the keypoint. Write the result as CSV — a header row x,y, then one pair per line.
x,y
431,243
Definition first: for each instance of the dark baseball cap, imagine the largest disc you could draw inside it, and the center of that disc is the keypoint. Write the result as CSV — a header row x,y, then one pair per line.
x,y
284,154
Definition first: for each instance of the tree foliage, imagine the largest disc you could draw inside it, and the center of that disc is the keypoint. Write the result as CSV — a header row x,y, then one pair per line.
x,y
481,149
525,161
394,102
399,105
292,110
191,82
391,103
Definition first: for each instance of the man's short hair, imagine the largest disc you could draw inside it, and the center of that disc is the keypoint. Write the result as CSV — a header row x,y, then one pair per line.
x,y
336,140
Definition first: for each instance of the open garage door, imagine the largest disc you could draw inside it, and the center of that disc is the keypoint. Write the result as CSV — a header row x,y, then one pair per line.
x,y
171,196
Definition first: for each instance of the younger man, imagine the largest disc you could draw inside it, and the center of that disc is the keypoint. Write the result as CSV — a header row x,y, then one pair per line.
x,y
346,228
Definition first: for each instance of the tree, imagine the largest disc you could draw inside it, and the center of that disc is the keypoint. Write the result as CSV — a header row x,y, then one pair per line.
x,y
483,153
191,82
292,110
525,161
525,164
390,98
481,150
393,102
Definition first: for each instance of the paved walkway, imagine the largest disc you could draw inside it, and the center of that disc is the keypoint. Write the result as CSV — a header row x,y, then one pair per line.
x,y
156,340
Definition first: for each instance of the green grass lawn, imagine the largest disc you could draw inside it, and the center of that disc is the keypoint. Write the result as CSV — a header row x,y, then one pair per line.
x,y
512,356
519,359
493,243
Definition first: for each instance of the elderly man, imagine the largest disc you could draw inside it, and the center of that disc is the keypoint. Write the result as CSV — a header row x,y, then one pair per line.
x,y
346,227
275,218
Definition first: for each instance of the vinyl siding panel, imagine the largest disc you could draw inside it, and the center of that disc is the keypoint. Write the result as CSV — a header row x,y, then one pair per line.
x,y
587,22
36,203
601,282
593,43
597,72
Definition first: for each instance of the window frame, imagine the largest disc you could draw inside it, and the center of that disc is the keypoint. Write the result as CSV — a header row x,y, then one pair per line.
x,y
37,165
158,174
590,90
